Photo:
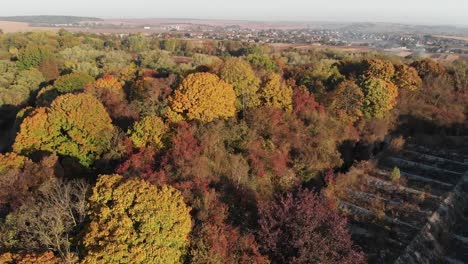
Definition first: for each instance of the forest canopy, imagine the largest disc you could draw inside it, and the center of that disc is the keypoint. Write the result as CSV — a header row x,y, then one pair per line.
x,y
142,149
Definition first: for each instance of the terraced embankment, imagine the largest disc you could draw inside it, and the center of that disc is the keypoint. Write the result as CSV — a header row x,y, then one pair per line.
x,y
416,215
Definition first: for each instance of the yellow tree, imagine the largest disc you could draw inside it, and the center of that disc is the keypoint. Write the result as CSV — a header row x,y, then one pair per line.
x,y
133,221
406,78
241,76
203,96
148,132
275,92
77,126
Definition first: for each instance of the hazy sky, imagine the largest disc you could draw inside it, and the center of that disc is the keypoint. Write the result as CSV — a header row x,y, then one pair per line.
x,y
414,11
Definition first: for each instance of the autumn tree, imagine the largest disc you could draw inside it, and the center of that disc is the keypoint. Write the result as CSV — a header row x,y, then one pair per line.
x,y
303,228
77,126
275,92
428,67
346,101
213,240
149,95
203,96
19,176
377,68
379,97
30,258
240,75
148,132
406,78
134,221
112,95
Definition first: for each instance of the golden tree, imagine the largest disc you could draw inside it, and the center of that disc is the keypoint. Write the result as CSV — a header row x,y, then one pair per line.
x,y
275,92
203,96
77,126
148,132
133,221
406,78
241,76
376,68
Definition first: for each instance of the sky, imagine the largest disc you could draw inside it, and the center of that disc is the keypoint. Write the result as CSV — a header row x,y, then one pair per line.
x,y
449,12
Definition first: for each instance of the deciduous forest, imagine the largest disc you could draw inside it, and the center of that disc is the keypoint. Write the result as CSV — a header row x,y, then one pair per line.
x,y
138,149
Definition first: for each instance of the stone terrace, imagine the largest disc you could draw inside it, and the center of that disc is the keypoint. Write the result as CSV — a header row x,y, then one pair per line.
x,y
421,217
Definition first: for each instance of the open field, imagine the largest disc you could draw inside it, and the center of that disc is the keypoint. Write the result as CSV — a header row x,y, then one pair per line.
x,y
284,46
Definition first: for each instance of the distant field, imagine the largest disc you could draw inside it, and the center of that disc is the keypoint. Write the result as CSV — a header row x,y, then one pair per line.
x,y
8,26
452,37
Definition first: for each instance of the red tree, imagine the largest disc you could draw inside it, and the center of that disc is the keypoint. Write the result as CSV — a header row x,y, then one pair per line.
x,y
304,228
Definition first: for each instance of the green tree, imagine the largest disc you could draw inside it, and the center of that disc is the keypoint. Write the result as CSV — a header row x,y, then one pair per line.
x,y
241,76
133,221
203,96
136,43
77,126
32,56
72,82
157,59
379,97
262,61
148,132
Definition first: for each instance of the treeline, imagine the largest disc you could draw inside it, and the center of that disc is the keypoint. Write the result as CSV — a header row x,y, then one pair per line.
x,y
144,150
48,20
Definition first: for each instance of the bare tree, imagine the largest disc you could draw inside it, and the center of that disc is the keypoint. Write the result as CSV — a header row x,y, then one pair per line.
x,y
48,221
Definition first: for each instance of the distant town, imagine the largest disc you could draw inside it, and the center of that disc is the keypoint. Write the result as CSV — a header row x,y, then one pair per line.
x,y
399,39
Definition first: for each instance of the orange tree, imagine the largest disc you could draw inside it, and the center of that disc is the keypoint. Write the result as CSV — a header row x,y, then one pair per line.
x,y
77,126
133,221
406,78
203,96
